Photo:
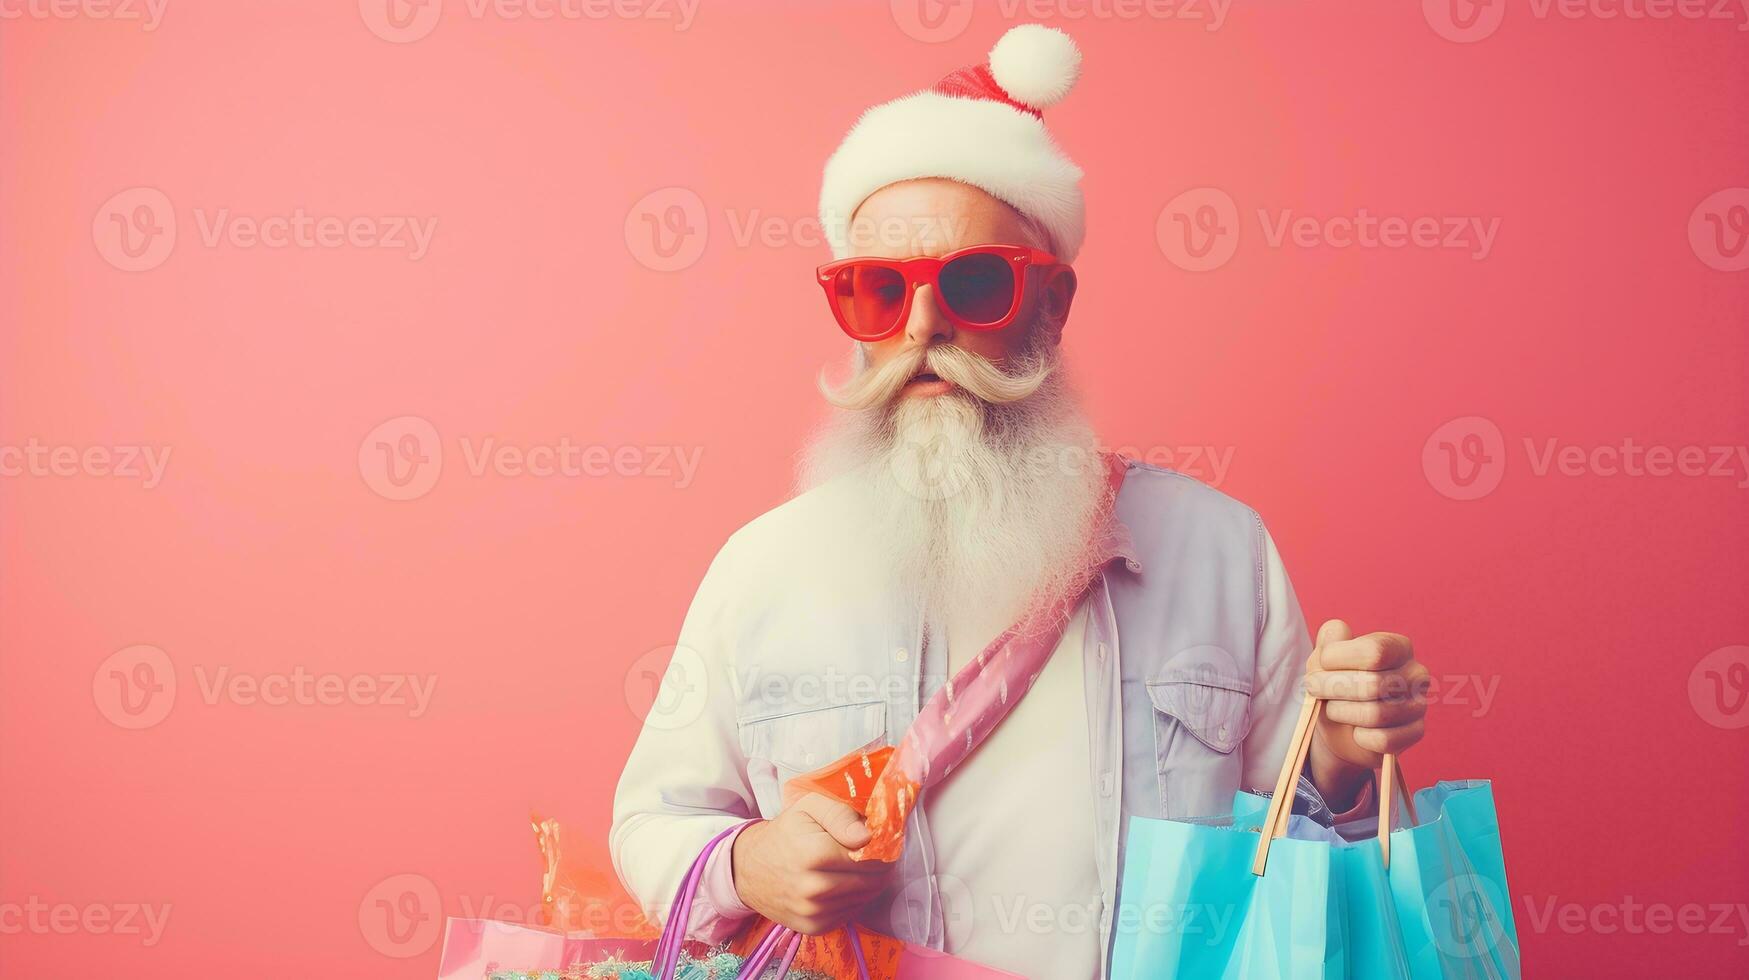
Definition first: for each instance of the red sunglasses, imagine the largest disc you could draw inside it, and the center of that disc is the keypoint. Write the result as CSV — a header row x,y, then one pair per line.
x,y
976,288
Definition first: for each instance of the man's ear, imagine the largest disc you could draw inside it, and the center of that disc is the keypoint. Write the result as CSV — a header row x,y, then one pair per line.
x,y
1056,294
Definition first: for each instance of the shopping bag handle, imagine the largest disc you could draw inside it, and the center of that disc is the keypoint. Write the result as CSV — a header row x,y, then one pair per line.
x,y
790,942
666,960
1392,785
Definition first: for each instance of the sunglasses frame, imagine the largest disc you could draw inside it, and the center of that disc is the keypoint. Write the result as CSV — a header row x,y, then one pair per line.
x,y
925,270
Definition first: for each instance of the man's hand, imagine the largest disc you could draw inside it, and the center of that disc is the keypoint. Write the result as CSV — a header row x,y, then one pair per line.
x,y
1376,695
796,869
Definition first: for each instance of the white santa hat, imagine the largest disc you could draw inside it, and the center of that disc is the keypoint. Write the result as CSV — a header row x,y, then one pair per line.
x,y
980,125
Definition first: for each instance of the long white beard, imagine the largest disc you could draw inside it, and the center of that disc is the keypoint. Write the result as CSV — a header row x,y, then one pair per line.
x,y
976,506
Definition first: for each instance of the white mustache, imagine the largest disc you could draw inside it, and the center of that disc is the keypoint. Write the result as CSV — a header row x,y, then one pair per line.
x,y
979,376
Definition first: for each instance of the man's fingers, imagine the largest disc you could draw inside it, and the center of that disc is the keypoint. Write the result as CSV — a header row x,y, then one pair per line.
x,y
837,819
831,857
1394,740
829,889
1333,631
1368,685
1373,714
1374,651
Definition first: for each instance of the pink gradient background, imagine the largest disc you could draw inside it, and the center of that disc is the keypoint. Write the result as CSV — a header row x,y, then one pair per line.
x,y
537,603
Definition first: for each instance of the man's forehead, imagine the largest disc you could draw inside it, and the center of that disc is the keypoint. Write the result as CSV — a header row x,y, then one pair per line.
x,y
931,216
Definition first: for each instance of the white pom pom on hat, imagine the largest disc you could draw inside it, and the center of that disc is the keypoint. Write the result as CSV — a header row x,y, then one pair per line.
x,y
1035,64
981,125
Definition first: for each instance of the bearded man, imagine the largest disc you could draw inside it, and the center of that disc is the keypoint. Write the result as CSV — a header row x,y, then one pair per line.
x,y
955,492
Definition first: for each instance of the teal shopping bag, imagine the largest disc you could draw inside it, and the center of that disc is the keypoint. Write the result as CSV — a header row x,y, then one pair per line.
x,y
1448,880
1190,907
1262,894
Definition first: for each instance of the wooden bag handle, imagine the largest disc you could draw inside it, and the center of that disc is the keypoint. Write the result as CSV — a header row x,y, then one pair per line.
x,y
1275,821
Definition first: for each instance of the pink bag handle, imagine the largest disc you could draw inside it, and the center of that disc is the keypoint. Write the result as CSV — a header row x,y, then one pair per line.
x,y
668,947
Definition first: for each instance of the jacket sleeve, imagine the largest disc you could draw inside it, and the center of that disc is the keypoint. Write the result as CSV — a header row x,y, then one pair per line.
x,y
686,778
1283,645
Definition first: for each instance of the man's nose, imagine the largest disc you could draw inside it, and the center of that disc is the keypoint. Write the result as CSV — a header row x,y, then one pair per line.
x,y
926,325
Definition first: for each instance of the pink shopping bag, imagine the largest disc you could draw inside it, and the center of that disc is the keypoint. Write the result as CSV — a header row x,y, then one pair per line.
x,y
473,949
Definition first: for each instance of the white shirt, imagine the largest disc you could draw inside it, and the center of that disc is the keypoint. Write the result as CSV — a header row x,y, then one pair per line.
x,y
1013,829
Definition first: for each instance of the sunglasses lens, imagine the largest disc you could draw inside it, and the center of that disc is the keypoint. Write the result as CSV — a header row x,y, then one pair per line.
x,y
978,288
869,298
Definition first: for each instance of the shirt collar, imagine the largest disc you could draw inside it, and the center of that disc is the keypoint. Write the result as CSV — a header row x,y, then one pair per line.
x,y
1115,540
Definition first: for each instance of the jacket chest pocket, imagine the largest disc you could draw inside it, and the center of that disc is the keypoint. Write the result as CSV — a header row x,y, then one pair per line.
x,y
779,748
1201,713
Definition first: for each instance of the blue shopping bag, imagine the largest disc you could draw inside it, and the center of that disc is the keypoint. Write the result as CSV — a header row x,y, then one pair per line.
x,y
1448,880
1264,894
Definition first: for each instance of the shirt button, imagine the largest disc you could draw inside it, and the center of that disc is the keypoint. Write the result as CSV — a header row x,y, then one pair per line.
x,y
1102,653
901,655
1222,732
1105,784
808,758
